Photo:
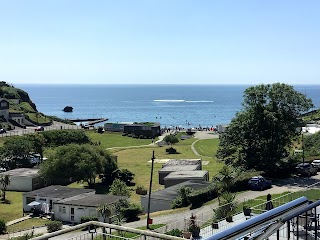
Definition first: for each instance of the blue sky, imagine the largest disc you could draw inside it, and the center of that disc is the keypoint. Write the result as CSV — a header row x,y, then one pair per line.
x,y
167,41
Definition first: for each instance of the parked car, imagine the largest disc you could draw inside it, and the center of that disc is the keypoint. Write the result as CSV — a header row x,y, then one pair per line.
x,y
2,130
316,164
306,169
39,129
259,183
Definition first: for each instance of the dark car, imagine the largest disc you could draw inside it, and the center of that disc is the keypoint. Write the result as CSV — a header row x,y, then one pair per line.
x,y
259,183
2,130
306,169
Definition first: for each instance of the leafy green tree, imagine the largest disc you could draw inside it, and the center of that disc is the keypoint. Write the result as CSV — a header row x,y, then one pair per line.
x,y
171,140
4,183
225,178
17,147
119,188
38,142
259,136
76,162
124,175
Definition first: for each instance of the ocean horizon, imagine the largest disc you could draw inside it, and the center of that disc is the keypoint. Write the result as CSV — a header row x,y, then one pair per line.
x,y
183,105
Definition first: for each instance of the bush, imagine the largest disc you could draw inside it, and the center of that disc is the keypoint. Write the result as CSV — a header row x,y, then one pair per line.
x,y
3,227
171,150
124,134
119,188
141,137
54,226
141,190
135,136
129,135
131,213
85,219
56,138
175,232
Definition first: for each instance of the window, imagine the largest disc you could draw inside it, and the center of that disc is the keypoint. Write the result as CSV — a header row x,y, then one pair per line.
x,y
62,209
42,199
72,218
30,199
72,210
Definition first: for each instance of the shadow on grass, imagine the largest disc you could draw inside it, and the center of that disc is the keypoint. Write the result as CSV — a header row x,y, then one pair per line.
x,y
6,201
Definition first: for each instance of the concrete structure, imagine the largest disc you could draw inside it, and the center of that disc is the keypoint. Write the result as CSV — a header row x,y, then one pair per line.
x,y
53,194
115,127
148,129
17,117
179,162
175,168
25,179
222,128
4,108
182,176
73,208
162,200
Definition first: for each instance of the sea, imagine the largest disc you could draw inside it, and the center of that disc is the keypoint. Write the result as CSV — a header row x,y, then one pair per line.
x,y
171,105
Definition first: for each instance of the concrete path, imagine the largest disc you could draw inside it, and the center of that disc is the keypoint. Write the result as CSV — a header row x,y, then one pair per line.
x,y
17,220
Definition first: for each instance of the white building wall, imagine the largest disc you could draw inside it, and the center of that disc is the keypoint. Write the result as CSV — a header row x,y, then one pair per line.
x,y
62,212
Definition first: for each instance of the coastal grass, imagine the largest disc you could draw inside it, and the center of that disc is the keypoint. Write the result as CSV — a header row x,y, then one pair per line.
x,y
28,224
207,147
39,118
13,209
115,139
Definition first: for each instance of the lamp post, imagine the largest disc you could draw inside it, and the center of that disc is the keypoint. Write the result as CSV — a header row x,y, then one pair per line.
x,y
150,186
302,149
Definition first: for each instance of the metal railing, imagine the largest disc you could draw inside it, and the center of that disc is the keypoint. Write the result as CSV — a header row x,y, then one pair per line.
x,y
92,232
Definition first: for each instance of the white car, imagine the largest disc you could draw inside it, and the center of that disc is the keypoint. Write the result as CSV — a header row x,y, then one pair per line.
x,y
316,164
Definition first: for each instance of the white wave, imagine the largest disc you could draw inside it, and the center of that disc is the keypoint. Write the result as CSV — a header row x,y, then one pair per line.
x,y
200,101
170,100
181,100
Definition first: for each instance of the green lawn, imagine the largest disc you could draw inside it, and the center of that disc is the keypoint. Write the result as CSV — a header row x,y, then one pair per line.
x,y
207,147
136,160
13,210
28,224
114,139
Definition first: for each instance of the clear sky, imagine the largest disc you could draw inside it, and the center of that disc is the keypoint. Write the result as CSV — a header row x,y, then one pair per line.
x,y
160,41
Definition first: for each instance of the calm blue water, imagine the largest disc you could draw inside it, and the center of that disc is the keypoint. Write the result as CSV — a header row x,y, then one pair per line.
x,y
171,105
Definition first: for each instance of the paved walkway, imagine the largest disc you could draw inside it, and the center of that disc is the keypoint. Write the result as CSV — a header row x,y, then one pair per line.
x,y
17,220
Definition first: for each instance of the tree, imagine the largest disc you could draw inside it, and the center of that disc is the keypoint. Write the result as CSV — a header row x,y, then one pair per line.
x,y
38,142
4,183
17,148
105,211
259,136
225,178
170,140
119,188
76,162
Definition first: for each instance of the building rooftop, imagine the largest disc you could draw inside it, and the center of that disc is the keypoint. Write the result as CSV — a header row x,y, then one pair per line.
x,y
94,200
186,174
177,168
57,191
22,172
170,193
183,162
